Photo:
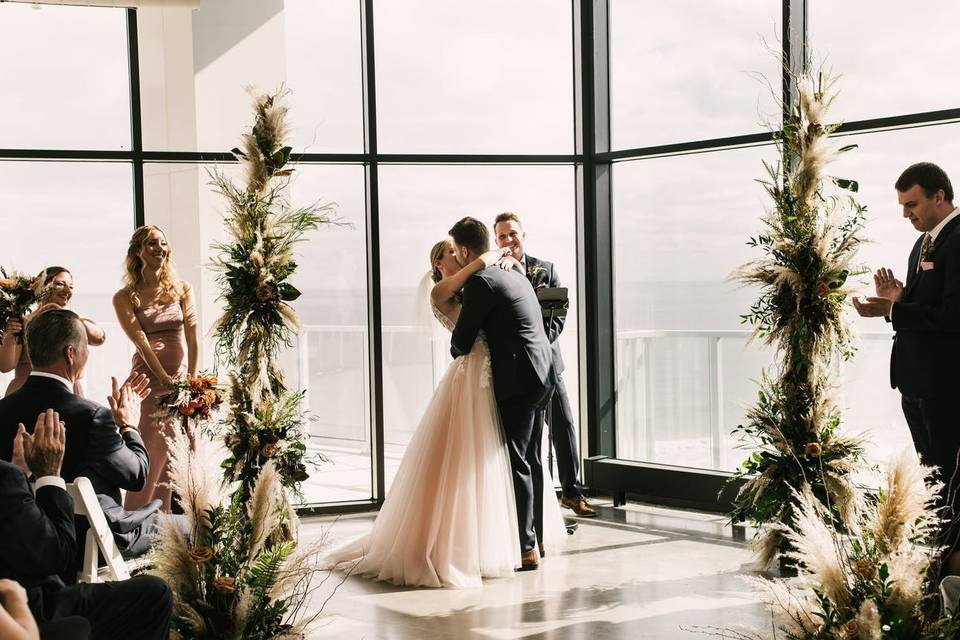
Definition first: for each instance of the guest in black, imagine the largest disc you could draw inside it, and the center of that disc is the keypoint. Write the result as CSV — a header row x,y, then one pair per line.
x,y
925,313
509,233
38,541
102,444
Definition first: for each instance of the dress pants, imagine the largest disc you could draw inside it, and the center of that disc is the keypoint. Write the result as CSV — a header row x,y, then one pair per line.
x,y
565,441
523,431
136,609
935,427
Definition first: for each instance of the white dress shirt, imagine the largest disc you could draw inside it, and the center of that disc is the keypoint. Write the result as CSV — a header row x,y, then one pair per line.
x,y
64,381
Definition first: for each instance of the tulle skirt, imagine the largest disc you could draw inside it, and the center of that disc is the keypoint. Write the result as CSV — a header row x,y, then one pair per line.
x,y
450,517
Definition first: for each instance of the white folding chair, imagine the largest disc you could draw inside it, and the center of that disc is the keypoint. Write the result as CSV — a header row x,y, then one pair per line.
x,y
99,537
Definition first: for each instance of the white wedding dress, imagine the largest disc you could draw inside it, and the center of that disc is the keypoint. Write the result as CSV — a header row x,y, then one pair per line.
x,y
450,517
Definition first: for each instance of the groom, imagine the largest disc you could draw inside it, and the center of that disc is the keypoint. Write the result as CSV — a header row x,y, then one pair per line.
x,y
504,305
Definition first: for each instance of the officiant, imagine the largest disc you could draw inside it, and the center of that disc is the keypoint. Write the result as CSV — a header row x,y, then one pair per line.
x,y
509,233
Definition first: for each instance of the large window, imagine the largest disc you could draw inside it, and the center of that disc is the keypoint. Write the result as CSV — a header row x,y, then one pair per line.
x,y
65,78
195,67
683,369
77,216
477,111
467,77
689,70
418,206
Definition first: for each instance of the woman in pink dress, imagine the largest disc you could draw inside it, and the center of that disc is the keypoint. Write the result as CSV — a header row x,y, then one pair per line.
x,y
156,311
58,284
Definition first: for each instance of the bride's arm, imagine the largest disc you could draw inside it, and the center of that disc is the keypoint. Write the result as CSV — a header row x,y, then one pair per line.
x,y
444,290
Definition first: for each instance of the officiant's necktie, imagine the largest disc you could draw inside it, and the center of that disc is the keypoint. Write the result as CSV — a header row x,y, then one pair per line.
x,y
924,247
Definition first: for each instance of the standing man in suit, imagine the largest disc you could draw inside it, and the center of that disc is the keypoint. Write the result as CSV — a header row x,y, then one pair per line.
x,y
503,305
509,233
102,444
38,541
925,364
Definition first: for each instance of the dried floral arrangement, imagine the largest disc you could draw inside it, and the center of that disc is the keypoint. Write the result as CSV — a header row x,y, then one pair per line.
x,y
241,573
810,237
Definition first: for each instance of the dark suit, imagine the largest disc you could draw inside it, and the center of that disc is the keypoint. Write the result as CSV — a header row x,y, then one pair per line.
x,y
38,542
94,449
504,306
925,364
541,273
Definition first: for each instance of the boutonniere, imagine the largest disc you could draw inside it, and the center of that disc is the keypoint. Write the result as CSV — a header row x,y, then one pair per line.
x,y
533,272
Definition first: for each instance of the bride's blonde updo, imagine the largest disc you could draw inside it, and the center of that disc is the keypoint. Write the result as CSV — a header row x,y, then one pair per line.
x,y
133,266
436,254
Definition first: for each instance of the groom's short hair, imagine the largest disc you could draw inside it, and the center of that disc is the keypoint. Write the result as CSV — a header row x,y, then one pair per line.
x,y
471,233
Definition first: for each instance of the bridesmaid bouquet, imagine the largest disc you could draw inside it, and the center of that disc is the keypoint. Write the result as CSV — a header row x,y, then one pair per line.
x,y
17,294
194,397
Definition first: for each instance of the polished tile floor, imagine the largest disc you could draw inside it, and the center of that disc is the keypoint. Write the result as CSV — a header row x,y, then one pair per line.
x,y
636,572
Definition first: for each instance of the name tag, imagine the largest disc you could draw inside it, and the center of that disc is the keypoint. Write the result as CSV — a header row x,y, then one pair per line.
x,y
926,266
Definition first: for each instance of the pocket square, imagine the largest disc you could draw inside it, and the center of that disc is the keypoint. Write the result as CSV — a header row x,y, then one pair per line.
x,y
926,266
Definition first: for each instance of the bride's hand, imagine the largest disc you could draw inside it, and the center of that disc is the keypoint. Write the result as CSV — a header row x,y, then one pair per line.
x,y
491,258
507,263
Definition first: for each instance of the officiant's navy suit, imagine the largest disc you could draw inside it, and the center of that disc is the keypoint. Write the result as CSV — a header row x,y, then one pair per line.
x,y
504,306
541,273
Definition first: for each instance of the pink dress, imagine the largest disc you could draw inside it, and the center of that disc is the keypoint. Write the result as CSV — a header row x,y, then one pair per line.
x,y
164,327
23,370
450,518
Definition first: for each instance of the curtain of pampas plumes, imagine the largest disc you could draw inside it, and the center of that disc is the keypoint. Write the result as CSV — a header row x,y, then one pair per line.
x,y
810,238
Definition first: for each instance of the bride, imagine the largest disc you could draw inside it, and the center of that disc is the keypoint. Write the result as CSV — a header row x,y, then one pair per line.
x,y
449,518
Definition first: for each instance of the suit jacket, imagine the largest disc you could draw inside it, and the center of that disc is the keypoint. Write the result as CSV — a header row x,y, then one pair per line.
x,y
541,273
503,304
926,348
37,536
94,448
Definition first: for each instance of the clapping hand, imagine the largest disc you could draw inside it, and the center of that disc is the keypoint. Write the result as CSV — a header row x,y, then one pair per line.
x,y
887,286
43,451
874,307
125,399
12,327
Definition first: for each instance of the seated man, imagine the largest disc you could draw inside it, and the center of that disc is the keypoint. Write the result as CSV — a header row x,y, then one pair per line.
x,y
38,541
102,444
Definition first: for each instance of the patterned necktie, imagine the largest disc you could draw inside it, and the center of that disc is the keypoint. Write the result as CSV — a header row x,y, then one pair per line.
x,y
924,247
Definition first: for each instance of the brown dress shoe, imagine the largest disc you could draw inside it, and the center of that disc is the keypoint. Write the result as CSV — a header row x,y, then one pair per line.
x,y
579,506
530,560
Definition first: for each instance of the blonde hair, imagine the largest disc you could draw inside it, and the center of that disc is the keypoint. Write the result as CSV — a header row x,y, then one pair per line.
x,y
436,254
133,266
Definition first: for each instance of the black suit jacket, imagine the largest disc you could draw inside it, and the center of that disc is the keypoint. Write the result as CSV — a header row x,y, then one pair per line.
x,y
37,536
503,304
94,448
926,348
541,273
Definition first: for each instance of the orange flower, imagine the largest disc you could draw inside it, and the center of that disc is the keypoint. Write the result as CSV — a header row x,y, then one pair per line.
x,y
201,555
269,450
209,397
866,569
211,380
812,450
225,584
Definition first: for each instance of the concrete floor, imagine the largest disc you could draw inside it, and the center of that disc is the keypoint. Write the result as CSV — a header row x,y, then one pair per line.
x,y
635,572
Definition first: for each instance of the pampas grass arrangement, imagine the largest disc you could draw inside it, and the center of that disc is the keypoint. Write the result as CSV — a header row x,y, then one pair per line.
x,y
874,582
241,573
255,265
810,238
